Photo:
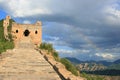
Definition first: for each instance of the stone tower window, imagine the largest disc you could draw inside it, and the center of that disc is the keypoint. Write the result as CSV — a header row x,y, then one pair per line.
x,y
26,33
16,31
36,32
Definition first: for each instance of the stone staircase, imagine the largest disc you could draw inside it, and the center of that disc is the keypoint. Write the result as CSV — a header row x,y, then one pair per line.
x,y
26,64
25,43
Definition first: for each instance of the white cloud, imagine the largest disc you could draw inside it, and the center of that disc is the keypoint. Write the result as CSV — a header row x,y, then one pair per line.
x,y
78,8
54,38
26,22
106,56
64,51
73,51
23,8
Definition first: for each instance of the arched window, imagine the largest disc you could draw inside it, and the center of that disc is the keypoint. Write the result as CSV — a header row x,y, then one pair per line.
x,y
36,32
26,33
16,31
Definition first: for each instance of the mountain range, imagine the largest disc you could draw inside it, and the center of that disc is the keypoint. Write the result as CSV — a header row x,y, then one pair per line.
x,y
94,65
105,63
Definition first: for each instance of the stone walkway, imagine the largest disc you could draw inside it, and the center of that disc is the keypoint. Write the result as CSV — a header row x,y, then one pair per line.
x,y
26,64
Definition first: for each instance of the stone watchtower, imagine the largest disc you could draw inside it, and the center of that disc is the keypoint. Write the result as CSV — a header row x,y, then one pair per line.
x,y
25,35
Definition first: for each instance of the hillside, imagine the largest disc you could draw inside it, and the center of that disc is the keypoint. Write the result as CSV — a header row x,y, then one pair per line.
x,y
97,67
117,61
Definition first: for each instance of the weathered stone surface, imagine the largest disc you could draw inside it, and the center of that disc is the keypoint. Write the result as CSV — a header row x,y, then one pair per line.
x,y
26,64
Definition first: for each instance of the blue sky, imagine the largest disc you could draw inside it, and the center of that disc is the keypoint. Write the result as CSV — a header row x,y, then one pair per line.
x,y
84,29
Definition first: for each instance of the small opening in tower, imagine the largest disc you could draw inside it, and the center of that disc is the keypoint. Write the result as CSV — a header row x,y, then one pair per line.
x,y
16,31
26,33
36,32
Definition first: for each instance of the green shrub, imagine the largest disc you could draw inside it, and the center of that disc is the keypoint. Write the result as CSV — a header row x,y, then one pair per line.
x,y
50,49
4,45
69,66
46,46
55,55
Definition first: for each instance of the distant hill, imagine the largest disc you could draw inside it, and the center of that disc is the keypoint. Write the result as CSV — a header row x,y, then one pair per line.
x,y
114,66
105,63
74,60
117,61
95,65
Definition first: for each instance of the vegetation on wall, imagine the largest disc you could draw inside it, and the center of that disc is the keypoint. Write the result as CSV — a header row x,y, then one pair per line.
x,y
69,66
4,44
50,49
46,46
